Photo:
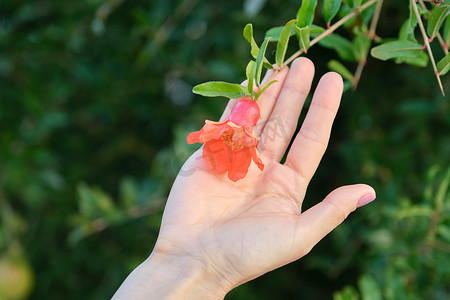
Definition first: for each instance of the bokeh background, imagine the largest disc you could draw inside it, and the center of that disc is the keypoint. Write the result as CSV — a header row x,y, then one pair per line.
x,y
95,106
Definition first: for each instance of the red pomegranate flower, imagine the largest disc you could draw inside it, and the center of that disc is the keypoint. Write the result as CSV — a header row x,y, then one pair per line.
x,y
230,145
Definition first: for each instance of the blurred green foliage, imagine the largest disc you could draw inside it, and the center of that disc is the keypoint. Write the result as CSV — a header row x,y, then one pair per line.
x,y
95,106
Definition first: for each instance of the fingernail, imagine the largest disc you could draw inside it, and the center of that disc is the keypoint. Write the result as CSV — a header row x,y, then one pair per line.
x,y
366,199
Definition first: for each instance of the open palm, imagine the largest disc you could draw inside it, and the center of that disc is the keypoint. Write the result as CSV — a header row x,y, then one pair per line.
x,y
240,230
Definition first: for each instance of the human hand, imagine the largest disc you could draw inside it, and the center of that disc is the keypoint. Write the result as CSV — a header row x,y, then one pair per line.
x,y
217,234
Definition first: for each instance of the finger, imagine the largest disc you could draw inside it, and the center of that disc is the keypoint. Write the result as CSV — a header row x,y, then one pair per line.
x,y
268,74
312,140
319,220
268,99
232,102
282,122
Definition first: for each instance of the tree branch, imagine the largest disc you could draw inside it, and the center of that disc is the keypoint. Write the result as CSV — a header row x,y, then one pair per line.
x,y
427,44
372,29
438,35
330,30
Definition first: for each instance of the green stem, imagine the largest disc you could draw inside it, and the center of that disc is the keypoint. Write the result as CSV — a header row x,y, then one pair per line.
x,y
427,44
324,34
438,35
372,29
330,30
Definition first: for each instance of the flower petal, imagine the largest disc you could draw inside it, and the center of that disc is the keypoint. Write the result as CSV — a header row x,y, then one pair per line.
x,y
230,145
217,155
212,131
193,137
239,166
256,159
242,138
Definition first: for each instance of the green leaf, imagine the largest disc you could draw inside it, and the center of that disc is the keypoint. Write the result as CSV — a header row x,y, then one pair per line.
x,y
249,68
86,202
406,32
250,71
444,3
361,44
283,42
304,38
347,293
442,190
248,32
431,176
341,45
336,66
422,12
446,32
396,49
417,61
347,85
128,192
305,14
220,89
414,211
264,88
412,20
350,3
444,65
444,232
93,202
275,32
370,290
254,49
248,35
316,30
259,60
367,15
345,10
437,16
330,9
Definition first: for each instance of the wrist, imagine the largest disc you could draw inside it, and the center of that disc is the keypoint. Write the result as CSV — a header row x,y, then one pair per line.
x,y
163,276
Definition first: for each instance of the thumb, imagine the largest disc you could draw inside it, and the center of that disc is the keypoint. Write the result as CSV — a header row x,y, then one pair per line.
x,y
319,220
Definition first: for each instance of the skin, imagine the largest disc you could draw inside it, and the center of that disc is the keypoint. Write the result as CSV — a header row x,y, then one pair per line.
x,y
217,234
